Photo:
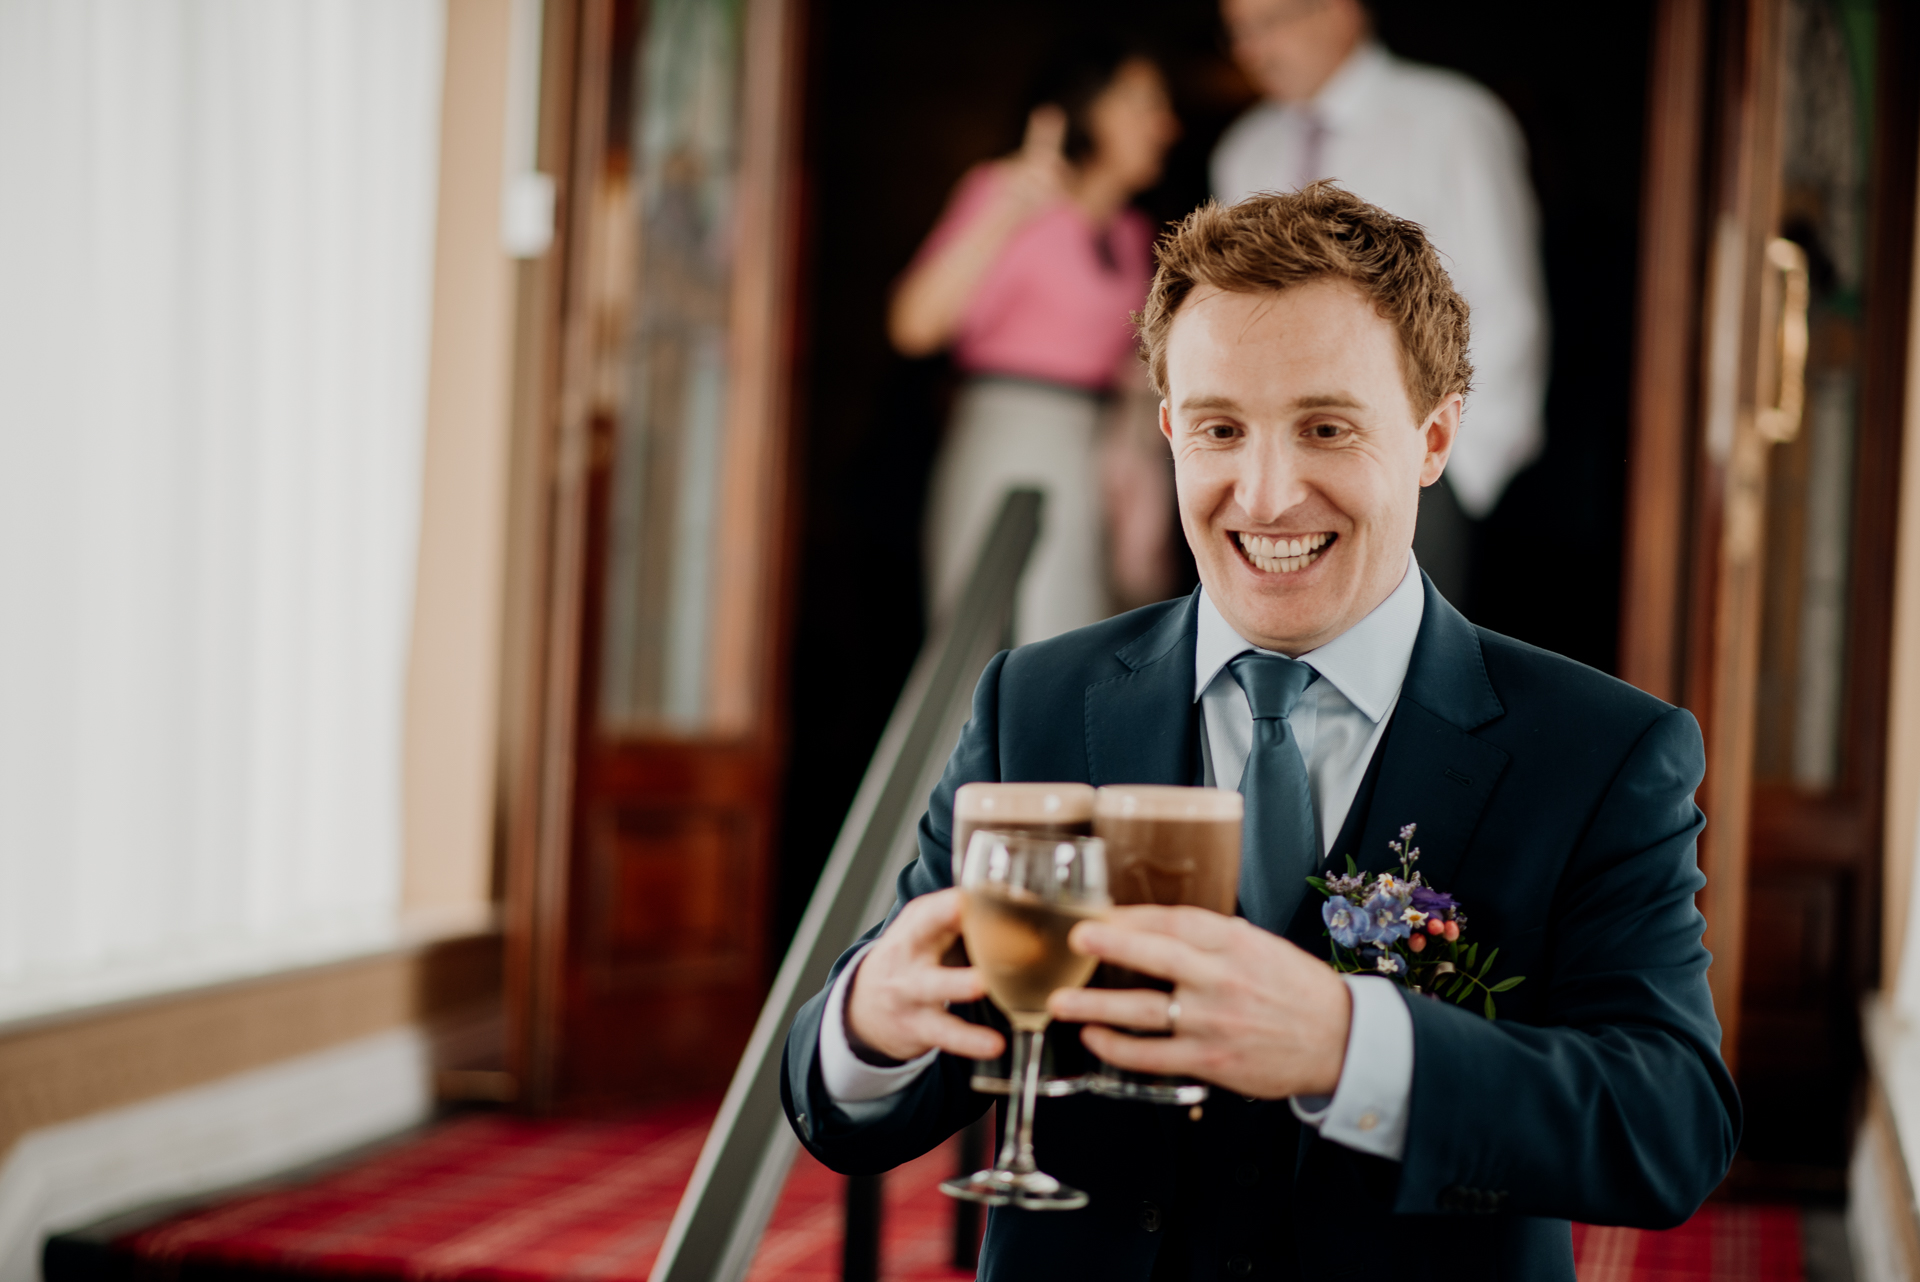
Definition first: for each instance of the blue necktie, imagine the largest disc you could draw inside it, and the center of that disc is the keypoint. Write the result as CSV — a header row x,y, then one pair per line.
x,y
1279,846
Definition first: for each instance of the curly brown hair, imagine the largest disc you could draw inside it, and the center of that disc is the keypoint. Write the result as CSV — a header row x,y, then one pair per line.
x,y
1271,241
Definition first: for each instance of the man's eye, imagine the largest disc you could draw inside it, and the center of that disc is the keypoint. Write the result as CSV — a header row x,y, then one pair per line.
x,y
1221,431
1325,431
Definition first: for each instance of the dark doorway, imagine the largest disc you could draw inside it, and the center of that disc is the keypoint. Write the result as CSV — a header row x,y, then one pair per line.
x,y
904,98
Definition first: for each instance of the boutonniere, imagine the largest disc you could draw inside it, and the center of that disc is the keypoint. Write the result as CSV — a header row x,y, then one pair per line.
x,y
1400,927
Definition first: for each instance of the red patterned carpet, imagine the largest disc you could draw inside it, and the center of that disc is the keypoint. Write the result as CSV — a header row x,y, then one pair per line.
x,y
1720,1244
496,1198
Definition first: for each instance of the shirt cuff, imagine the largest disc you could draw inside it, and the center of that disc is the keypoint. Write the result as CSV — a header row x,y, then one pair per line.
x,y
1368,1111
849,1079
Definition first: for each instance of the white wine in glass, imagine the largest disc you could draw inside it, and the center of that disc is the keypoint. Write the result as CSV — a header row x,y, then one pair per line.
x,y
1022,895
1039,810
1020,943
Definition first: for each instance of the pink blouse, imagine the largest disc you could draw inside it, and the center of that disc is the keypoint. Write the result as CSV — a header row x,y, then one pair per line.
x,y
1049,308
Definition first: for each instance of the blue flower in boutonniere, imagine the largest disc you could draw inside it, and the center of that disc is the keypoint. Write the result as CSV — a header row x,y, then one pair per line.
x,y
1347,924
1401,927
1386,917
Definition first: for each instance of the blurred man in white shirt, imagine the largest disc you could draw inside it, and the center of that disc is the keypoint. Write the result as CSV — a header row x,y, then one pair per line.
x,y
1432,146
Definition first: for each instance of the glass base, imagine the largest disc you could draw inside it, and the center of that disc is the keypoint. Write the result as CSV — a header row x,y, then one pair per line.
x,y
1152,1088
1065,1065
1034,1191
1050,1087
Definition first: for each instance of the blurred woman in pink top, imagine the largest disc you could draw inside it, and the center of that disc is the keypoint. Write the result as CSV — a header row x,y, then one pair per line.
x,y
1030,278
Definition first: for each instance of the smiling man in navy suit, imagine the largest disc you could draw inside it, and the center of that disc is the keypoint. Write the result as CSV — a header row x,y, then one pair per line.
x,y
1313,359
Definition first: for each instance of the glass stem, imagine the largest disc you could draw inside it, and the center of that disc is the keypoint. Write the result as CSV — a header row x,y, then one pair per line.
x,y
1016,1151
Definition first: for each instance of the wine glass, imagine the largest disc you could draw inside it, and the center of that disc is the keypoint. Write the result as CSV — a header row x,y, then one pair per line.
x,y
1034,810
1021,895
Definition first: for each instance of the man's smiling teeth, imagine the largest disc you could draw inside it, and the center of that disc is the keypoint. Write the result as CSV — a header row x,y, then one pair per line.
x,y
1283,556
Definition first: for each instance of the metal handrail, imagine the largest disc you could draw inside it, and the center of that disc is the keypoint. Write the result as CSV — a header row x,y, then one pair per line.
x,y
744,1163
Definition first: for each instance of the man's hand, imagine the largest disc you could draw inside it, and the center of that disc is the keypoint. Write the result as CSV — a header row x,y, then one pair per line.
x,y
898,1002
1257,1016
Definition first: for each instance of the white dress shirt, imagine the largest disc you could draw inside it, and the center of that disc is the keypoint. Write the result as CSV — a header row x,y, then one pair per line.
x,y
1438,148
1337,722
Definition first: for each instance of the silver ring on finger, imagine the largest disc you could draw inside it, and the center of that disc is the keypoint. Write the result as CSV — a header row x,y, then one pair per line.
x,y
1173,1016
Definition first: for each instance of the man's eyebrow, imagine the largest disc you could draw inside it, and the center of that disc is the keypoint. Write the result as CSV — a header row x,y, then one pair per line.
x,y
1311,401
1209,403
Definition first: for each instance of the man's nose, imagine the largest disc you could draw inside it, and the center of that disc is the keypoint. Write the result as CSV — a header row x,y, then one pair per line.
x,y
1271,479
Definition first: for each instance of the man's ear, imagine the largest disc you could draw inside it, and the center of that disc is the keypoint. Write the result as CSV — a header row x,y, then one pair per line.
x,y
1166,422
1441,429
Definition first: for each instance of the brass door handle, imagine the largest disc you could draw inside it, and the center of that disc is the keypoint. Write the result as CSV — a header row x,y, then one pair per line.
x,y
1780,421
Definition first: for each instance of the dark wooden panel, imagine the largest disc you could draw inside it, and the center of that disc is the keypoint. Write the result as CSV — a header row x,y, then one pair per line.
x,y
671,894
667,888
1799,1049
1794,827
1793,923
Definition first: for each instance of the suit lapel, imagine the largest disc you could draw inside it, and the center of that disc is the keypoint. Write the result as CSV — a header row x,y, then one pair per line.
x,y
1436,773
1140,725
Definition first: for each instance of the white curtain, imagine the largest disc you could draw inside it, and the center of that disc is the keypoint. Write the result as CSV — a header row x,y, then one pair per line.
x,y
216,222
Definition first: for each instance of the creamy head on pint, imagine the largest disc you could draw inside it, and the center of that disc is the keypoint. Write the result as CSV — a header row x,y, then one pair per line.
x,y
1023,803
1044,809
1163,801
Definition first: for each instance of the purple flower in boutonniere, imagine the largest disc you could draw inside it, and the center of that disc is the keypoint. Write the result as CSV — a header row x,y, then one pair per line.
x,y
1401,927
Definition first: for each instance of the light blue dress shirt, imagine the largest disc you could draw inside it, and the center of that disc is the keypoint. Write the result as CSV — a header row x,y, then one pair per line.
x,y
1338,724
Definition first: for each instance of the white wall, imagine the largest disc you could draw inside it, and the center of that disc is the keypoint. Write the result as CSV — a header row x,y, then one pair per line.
x,y
216,223
243,1127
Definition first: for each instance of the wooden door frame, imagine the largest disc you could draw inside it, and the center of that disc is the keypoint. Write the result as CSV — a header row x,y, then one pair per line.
x,y
561,344
1667,327
546,563
1691,570
1697,468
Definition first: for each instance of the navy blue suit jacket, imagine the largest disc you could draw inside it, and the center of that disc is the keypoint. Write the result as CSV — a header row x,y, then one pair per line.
x,y
1556,804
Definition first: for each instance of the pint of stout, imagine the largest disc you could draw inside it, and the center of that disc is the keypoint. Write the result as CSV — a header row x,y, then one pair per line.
x,y
1041,810
1171,845
1165,845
